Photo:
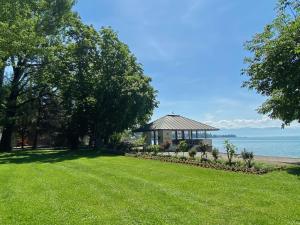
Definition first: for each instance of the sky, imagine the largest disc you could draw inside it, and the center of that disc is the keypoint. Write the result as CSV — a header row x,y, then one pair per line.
x,y
194,52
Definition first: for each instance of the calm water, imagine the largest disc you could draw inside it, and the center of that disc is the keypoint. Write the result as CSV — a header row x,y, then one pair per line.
x,y
268,146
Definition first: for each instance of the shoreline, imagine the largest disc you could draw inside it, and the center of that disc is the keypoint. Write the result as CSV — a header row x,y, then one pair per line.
x,y
275,160
279,160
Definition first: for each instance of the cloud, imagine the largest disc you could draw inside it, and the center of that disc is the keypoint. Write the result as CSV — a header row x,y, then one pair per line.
x,y
192,8
264,122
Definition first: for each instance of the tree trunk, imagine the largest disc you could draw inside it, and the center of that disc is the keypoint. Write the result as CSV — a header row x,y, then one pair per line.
x,y
98,143
2,70
1,76
74,142
11,111
35,140
36,132
98,140
23,138
6,139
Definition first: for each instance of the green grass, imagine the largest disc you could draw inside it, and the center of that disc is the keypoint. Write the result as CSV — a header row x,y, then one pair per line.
x,y
58,187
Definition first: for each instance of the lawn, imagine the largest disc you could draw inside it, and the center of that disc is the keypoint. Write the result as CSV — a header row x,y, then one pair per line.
x,y
60,187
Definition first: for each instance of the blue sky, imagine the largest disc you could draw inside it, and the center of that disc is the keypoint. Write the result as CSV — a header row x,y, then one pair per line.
x,y
193,50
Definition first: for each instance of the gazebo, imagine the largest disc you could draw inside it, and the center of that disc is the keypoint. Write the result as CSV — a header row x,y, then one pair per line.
x,y
174,128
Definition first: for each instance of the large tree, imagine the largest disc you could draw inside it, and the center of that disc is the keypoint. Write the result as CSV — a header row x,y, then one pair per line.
x,y
274,67
103,87
57,66
125,97
77,78
29,33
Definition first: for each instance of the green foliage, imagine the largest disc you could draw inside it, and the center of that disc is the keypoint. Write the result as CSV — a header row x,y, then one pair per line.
x,y
183,147
115,139
177,150
166,146
192,152
273,69
182,158
203,149
215,153
139,141
238,166
247,157
31,33
154,149
121,73
230,151
97,82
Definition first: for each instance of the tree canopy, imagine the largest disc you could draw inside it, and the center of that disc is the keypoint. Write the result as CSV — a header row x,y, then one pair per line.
x,y
64,79
274,67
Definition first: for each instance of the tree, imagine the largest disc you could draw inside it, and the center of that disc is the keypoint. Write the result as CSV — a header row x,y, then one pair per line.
x,y
183,147
78,77
56,65
230,151
274,67
215,154
30,31
124,95
203,149
247,157
103,88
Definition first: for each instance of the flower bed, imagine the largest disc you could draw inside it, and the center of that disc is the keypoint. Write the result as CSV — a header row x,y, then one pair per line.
x,y
205,164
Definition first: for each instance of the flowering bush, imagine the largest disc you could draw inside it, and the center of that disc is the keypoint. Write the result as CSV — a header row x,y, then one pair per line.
x,y
257,169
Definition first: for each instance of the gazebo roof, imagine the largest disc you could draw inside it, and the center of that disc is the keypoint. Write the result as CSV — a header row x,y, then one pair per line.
x,y
175,122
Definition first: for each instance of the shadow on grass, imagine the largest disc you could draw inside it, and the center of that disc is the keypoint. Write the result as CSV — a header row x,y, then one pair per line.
x,y
47,156
294,170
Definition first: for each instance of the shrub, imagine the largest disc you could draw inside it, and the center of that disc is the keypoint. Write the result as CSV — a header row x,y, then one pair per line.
x,y
125,146
114,140
139,142
148,149
230,150
193,153
203,148
183,147
247,157
165,146
155,149
236,167
183,158
215,154
176,151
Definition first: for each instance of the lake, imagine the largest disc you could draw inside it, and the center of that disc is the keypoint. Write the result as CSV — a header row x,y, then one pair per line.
x,y
267,146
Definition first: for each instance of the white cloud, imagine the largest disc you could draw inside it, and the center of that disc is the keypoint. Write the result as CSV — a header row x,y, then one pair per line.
x,y
192,8
264,122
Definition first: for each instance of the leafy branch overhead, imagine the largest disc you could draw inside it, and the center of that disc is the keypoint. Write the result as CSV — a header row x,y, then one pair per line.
x,y
274,67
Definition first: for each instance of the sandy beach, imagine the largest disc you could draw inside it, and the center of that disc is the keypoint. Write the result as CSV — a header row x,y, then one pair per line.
x,y
273,159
